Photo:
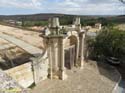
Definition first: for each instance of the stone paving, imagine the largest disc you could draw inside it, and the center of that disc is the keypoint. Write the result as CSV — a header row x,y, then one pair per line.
x,y
94,78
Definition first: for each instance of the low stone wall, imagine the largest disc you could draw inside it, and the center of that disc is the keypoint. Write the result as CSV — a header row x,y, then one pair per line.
x,y
22,74
30,72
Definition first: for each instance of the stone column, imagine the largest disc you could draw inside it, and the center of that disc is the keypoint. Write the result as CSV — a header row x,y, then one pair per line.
x,y
77,53
81,51
50,72
54,54
62,74
53,57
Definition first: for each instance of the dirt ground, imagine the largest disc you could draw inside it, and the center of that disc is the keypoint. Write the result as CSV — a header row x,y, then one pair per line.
x,y
14,52
30,37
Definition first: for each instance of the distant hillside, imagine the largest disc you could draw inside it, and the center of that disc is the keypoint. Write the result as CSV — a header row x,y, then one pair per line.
x,y
35,17
66,18
117,19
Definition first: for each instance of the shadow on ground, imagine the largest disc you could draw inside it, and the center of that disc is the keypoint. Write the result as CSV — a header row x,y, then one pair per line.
x,y
107,70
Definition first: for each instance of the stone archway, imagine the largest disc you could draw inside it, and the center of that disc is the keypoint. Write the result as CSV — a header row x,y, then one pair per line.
x,y
71,52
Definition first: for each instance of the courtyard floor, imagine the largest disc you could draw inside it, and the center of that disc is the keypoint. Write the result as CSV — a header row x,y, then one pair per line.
x,y
96,77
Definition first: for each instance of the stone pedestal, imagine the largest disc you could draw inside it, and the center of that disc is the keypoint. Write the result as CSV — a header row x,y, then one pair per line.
x,y
62,75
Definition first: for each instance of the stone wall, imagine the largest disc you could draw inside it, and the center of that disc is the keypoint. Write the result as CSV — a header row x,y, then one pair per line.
x,y
22,74
40,68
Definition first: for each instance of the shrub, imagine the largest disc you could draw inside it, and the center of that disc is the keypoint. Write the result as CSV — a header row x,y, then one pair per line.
x,y
109,42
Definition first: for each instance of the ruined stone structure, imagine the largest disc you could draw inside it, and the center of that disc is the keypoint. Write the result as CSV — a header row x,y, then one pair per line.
x,y
98,26
28,58
65,47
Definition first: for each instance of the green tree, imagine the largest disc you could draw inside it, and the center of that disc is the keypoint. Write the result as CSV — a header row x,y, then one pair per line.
x,y
110,42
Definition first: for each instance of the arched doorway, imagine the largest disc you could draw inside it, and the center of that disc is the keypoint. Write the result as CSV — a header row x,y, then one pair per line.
x,y
71,52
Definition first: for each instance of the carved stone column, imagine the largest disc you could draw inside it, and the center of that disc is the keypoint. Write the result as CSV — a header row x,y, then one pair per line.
x,y
77,54
54,54
62,74
50,72
81,50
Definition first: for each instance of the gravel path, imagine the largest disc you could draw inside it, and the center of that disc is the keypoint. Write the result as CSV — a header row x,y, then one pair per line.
x,y
94,78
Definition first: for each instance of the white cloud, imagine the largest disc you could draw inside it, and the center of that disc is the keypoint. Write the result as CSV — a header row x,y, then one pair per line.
x,y
87,7
21,3
68,6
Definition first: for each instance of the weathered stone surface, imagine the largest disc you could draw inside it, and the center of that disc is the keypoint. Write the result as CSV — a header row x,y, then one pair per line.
x,y
40,67
8,85
22,74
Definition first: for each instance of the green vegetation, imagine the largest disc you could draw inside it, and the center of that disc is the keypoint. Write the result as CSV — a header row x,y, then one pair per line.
x,y
66,20
109,43
93,21
34,23
42,19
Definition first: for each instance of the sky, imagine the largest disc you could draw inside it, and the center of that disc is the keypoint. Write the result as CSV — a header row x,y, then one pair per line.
x,y
77,7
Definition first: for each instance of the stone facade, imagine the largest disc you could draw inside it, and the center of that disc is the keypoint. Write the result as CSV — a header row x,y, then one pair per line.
x,y
98,26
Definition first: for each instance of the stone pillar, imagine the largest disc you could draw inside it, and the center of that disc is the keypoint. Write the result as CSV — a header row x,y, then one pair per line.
x,y
50,72
81,50
86,49
77,53
54,54
62,74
